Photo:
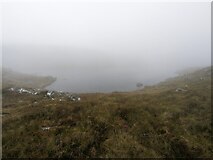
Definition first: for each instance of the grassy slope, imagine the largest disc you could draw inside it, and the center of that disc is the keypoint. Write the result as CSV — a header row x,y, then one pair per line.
x,y
15,79
154,122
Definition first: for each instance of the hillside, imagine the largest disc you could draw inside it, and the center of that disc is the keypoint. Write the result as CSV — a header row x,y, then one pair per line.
x,y
169,120
11,78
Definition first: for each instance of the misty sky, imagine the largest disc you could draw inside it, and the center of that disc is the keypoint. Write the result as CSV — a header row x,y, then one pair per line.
x,y
96,41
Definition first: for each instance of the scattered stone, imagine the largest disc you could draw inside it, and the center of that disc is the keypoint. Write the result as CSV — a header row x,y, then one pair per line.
x,y
36,93
22,90
50,93
75,98
12,89
45,128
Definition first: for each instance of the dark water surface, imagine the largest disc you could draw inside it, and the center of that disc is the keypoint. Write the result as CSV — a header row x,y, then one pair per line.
x,y
97,81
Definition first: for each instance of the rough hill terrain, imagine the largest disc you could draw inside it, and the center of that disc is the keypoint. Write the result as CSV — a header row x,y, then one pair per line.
x,y
171,119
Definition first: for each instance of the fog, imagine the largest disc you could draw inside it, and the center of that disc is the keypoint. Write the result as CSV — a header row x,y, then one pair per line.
x,y
106,46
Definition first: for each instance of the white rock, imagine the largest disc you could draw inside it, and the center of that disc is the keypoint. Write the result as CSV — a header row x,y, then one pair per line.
x,y
45,128
11,89
21,90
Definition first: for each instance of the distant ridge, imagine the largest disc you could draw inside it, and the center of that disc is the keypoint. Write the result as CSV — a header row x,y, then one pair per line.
x,y
189,70
12,78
